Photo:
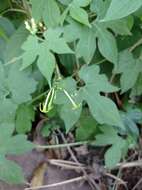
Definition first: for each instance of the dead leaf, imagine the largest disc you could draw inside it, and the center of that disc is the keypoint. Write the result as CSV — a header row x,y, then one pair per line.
x,y
38,175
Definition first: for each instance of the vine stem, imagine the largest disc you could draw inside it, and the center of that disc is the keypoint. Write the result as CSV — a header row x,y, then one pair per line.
x,y
62,145
139,42
14,10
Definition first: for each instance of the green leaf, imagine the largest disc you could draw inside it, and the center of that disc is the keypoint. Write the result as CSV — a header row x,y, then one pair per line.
x,y
19,36
46,67
113,156
65,2
37,9
128,66
99,7
41,51
102,108
56,42
120,9
16,78
10,172
108,137
81,3
7,110
69,115
24,118
107,44
30,53
118,145
16,145
86,128
121,26
86,46
79,14
51,13
46,10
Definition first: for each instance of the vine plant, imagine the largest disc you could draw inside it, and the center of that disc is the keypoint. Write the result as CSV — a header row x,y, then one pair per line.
x,y
77,61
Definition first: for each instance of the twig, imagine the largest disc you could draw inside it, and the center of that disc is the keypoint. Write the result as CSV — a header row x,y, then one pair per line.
x,y
58,184
66,164
116,178
136,186
62,145
101,61
129,164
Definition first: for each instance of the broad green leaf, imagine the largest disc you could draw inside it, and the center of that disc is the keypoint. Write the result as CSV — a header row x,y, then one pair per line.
x,y
99,7
30,48
56,43
72,31
118,145
86,46
24,118
86,128
108,137
51,13
16,145
92,77
7,111
46,63
10,172
121,26
16,41
70,115
46,10
79,14
41,51
107,44
121,8
37,9
16,78
102,108
128,66
7,129
81,3
113,156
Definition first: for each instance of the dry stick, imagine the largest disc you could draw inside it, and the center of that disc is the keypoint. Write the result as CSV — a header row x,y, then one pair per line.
x,y
129,164
61,145
75,159
136,186
58,184
65,165
116,178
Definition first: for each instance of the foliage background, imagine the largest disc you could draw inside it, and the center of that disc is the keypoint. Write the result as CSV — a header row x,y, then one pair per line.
x,y
79,62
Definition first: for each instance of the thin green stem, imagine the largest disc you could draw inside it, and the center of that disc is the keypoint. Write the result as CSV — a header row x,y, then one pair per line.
x,y
62,145
38,97
102,61
59,76
14,10
138,43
